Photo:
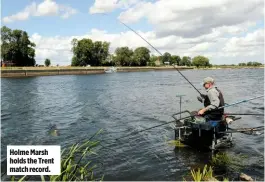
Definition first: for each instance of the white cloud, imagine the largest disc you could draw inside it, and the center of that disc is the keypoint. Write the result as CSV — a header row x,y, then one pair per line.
x,y
251,44
200,47
191,18
67,11
225,31
106,6
46,8
103,6
220,51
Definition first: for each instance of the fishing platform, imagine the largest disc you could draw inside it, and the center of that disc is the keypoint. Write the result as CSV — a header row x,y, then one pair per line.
x,y
198,132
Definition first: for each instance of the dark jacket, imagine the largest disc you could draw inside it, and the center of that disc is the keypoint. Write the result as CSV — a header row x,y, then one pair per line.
x,y
213,100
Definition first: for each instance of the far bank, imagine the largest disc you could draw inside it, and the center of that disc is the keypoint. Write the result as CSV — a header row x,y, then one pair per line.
x,y
50,71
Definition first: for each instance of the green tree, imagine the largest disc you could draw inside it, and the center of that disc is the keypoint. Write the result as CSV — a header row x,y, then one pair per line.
x,y
109,61
166,57
249,64
75,62
242,64
88,52
16,47
100,52
124,56
141,56
175,60
200,61
185,61
256,64
47,62
152,61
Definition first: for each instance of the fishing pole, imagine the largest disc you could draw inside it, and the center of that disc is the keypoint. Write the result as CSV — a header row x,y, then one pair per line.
x,y
247,114
239,102
245,130
159,53
136,132
133,133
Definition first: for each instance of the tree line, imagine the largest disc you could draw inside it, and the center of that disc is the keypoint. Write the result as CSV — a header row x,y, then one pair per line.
x,y
17,49
87,52
254,63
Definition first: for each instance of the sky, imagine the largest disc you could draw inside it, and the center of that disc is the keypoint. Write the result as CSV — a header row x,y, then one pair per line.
x,y
225,31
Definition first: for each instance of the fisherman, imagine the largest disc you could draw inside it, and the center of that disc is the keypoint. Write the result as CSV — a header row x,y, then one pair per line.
x,y
212,101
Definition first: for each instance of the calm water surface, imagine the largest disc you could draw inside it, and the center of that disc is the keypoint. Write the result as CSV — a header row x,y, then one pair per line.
x,y
120,103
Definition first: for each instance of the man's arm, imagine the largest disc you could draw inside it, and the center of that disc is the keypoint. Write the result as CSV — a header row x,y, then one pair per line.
x,y
214,100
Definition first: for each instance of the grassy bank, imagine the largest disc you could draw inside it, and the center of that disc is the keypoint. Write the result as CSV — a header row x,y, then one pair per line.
x,y
94,67
119,68
68,70
48,71
234,67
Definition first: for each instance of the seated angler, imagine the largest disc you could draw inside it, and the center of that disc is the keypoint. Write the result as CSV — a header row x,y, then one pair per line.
x,y
212,101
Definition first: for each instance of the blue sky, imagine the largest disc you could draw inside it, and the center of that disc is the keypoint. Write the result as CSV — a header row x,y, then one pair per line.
x,y
190,28
78,24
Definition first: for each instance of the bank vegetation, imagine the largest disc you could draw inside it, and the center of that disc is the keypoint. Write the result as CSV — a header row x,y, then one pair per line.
x,y
18,51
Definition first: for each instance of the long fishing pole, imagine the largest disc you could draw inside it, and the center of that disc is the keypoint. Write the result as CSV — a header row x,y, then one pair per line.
x,y
239,102
245,130
136,132
188,117
246,114
160,54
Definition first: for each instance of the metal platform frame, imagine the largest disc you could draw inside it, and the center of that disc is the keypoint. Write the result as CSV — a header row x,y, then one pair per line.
x,y
181,128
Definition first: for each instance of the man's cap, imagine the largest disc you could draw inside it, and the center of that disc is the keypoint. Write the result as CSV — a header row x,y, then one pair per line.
x,y
208,80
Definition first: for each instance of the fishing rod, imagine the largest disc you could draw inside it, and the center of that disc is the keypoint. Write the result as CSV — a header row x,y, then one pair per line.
x,y
136,132
159,53
188,117
239,102
192,115
228,105
249,131
247,114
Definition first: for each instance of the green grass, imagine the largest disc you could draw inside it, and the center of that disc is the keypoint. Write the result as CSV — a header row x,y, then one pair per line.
x,y
221,159
230,162
176,143
207,174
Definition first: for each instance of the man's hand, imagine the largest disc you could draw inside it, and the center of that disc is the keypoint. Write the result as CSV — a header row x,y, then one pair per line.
x,y
202,111
203,96
199,99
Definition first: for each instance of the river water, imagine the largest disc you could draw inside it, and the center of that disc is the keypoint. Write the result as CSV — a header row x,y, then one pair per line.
x,y
120,103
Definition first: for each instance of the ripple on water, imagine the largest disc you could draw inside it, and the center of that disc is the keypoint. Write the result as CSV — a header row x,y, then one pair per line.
x,y
80,105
